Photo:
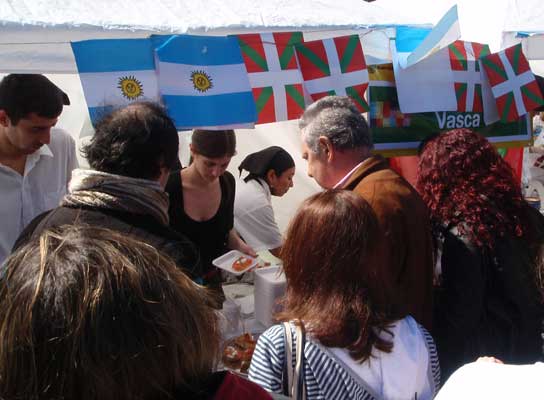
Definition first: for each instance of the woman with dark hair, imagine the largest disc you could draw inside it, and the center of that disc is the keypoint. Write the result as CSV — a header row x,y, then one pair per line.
x,y
271,172
357,344
202,200
490,253
91,314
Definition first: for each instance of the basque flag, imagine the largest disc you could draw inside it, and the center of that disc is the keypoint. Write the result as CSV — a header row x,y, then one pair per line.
x,y
334,67
115,72
204,83
274,76
513,84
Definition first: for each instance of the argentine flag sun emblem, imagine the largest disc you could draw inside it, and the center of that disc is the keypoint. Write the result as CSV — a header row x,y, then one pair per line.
x,y
130,87
201,81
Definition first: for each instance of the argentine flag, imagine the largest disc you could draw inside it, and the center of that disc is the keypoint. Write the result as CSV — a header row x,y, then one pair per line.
x,y
204,83
115,72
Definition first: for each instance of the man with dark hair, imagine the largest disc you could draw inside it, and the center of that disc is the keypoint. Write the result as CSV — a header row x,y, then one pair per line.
x,y
131,155
337,143
36,160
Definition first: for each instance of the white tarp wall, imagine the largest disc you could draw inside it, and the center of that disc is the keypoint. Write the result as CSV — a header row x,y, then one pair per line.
x,y
36,34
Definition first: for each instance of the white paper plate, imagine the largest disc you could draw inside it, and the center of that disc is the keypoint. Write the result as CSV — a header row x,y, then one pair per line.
x,y
226,260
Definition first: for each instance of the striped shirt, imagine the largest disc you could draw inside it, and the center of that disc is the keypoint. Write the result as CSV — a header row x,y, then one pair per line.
x,y
325,376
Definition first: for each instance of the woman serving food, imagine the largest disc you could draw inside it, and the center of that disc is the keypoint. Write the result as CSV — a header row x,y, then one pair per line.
x,y
271,172
202,200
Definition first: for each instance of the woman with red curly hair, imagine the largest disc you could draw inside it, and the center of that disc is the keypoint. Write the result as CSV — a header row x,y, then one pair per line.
x,y
489,295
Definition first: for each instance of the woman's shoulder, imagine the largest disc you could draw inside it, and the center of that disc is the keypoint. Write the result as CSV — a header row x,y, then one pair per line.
x,y
274,334
174,182
228,177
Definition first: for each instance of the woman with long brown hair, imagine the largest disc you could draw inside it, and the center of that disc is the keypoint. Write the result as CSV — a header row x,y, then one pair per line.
x,y
90,314
358,344
487,300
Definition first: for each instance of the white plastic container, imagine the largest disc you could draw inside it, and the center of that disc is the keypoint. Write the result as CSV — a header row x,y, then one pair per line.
x,y
231,324
270,286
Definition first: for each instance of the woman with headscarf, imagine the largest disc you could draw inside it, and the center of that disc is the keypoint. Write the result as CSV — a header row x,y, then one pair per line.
x,y
489,298
271,172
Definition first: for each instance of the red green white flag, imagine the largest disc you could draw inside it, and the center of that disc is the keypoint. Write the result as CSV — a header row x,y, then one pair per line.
x,y
512,83
334,67
467,79
273,73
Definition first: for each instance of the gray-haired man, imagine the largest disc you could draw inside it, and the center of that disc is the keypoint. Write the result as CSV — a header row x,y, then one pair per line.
x,y
337,143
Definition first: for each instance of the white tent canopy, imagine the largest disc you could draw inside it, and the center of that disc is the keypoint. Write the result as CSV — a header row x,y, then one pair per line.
x,y
36,33
36,37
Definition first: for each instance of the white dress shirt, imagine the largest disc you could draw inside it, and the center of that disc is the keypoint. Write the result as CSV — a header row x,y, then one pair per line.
x,y
254,216
44,183
342,181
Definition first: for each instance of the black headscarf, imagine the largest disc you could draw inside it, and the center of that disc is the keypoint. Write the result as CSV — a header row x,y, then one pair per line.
x,y
259,163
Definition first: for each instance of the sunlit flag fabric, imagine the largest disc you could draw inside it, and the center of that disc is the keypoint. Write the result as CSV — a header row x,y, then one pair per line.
x,y
466,74
334,67
115,72
443,34
512,82
472,88
273,73
428,85
204,83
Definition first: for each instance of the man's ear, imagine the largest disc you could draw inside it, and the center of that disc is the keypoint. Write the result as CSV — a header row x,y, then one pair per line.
x,y
4,119
326,148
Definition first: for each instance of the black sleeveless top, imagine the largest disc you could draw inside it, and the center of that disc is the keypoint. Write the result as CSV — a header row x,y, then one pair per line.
x,y
209,236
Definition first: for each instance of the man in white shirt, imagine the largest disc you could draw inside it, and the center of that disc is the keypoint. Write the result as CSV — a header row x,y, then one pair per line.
x,y
36,160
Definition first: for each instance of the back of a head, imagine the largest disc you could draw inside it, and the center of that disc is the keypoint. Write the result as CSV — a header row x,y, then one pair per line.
x,y
336,118
335,279
23,94
462,178
214,144
134,141
87,313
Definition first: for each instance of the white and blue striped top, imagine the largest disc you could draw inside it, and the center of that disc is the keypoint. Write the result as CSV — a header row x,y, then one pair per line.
x,y
326,376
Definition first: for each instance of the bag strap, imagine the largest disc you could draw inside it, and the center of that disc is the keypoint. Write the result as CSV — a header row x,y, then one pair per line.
x,y
293,378
298,379
287,378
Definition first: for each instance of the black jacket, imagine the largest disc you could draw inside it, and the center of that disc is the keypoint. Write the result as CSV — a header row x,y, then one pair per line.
x,y
488,303
142,227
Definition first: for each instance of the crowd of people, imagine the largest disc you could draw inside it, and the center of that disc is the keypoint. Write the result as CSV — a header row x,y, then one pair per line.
x,y
107,287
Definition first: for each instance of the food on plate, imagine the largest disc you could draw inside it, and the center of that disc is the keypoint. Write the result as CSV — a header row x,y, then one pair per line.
x,y
244,368
241,263
262,264
238,351
231,357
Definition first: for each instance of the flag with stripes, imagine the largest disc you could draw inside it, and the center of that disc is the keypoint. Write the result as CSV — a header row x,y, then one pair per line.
x,y
467,79
115,72
334,67
274,76
384,105
512,83
204,83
